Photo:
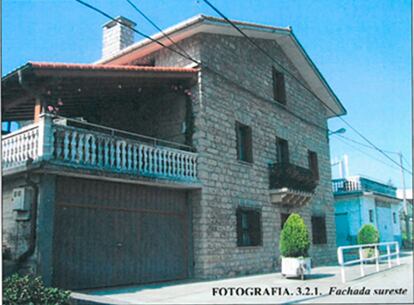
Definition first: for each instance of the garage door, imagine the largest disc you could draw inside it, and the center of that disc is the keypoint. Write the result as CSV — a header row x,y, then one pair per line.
x,y
111,234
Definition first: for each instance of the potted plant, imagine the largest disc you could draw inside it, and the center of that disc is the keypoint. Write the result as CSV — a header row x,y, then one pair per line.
x,y
368,234
294,245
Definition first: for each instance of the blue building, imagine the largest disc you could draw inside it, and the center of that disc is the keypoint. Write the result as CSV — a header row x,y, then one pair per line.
x,y
360,201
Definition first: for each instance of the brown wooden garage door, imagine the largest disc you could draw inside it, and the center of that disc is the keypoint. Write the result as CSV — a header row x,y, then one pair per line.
x,y
111,234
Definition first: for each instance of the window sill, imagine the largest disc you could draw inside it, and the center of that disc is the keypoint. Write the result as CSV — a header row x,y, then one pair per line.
x,y
280,103
249,247
245,163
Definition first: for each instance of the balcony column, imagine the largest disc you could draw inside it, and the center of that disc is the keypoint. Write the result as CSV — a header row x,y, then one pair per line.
x,y
37,110
45,144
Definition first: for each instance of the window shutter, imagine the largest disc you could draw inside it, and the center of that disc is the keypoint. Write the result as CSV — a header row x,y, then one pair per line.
x,y
255,228
249,145
239,227
238,140
279,91
313,164
319,229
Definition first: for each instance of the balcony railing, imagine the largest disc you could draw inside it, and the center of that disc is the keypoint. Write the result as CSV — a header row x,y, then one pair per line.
x,y
294,177
343,185
109,149
359,184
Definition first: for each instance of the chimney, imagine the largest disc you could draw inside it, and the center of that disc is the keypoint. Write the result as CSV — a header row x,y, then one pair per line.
x,y
117,36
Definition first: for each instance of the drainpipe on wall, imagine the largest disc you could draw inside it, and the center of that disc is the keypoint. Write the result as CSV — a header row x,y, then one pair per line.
x,y
33,218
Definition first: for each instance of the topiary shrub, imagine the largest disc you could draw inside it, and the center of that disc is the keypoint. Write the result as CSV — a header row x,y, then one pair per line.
x,y
368,234
19,290
294,238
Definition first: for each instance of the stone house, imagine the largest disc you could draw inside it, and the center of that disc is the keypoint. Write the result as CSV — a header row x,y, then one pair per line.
x,y
360,201
146,166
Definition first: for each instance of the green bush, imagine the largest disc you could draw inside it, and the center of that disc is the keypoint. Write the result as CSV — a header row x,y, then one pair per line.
x,y
368,235
29,290
294,238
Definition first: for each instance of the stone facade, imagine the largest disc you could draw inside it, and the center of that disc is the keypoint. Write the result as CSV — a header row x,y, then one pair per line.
x,y
235,86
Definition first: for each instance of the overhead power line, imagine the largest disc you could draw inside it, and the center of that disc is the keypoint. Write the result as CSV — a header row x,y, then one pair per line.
x,y
369,155
300,82
232,82
136,31
157,27
187,56
370,147
365,145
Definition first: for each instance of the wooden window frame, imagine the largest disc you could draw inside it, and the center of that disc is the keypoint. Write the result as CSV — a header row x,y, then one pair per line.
x,y
318,225
279,89
282,150
249,227
244,142
313,164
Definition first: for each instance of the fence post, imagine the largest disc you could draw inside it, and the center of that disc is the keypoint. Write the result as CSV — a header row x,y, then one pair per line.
x,y
377,258
341,263
361,259
389,255
397,251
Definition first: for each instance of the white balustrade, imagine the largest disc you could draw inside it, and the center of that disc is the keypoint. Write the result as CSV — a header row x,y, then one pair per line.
x,y
20,146
91,149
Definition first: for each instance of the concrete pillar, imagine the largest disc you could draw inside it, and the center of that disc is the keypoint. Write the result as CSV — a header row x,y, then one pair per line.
x,y
45,226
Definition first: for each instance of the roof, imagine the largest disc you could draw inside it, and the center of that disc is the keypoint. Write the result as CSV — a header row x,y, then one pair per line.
x,y
207,24
45,66
78,84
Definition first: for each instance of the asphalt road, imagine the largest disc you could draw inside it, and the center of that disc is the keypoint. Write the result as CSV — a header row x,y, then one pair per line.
x,y
393,285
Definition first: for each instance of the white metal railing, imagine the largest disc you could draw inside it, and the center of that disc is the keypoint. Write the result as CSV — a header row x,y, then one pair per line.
x,y
88,148
376,247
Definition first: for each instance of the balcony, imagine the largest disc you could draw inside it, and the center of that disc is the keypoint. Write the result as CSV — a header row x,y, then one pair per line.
x,y
359,185
83,146
291,184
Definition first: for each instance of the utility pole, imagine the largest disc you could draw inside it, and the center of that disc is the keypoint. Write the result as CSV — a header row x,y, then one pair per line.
x,y
406,217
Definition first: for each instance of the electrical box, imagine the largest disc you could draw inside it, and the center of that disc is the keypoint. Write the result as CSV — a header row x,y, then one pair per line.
x,y
22,198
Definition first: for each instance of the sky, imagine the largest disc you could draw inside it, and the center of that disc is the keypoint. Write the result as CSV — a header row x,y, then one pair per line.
x,y
361,47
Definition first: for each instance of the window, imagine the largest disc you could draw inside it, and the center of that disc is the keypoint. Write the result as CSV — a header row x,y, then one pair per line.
x,y
394,217
313,163
279,93
282,150
318,230
244,142
248,227
371,215
283,218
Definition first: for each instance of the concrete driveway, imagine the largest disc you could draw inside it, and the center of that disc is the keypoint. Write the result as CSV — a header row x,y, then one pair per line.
x,y
393,285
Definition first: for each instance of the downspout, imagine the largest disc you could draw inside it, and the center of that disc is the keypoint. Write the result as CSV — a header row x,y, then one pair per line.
x,y
33,218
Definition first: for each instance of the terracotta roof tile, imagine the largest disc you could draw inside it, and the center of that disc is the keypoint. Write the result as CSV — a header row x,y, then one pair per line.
x,y
67,66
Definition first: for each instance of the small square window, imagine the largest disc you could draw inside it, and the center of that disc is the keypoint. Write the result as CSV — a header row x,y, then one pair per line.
x,y
244,142
249,232
318,230
279,93
371,215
